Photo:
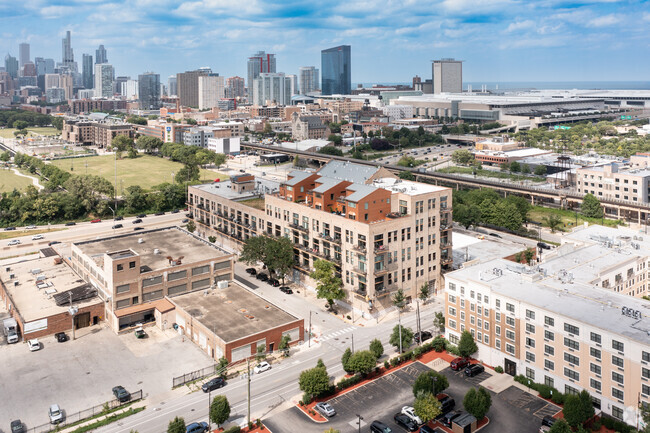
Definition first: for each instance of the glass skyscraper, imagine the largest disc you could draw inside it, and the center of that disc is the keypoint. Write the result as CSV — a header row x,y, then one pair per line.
x,y
336,70
149,91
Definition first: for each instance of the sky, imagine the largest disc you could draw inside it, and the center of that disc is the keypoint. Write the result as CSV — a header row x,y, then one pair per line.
x,y
392,41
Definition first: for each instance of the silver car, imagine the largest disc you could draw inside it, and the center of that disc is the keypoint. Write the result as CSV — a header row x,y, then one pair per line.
x,y
325,409
56,416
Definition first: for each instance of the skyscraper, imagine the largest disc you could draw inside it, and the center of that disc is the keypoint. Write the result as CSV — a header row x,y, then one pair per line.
x,y
67,58
308,79
103,80
271,87
188,87
235,87
11,66
149,91
87,71
259,63
447,76
172,85
211,90
292,81
100,55
336,66
44,66
23,54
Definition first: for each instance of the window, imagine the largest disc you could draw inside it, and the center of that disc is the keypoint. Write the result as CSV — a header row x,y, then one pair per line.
x,y
131,265
571,359
617,377
595,368
497,343
123,303
594,352
452,324
510,307
617,393
617,412
200,270
645,356
123,288
497,330
548,381
617,361
510,348
530,357
571,329
497,317
596,338
530,342
645,372
510,335
645,389
571,343
549,321
510,321
200,284
530,314
549,364
571,374
152,281
175,290
530,328
120,268
486,339
549,350
150,296
498,303
595,384
617,345
530,373
176,275
569,390
452,311
549,335
221,265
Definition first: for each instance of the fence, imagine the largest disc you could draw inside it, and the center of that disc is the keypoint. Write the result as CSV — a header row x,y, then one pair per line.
x,y
195,375
72,418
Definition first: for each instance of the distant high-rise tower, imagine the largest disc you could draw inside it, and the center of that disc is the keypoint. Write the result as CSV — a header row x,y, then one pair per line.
x,y
336,66
211,90
149,91
188,87
104,80
67,57
44,66
100,55
308,78
292,81
258,64
11,66
23,54
172,85
87,71
447,76
272,87
235,87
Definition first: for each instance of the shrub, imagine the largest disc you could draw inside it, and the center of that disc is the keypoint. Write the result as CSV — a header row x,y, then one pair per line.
x,y
301,403
386,364
596,425
394,361
498,369
438,344
348,382
417,352
453,349
250,425
558,397
306,398
234,429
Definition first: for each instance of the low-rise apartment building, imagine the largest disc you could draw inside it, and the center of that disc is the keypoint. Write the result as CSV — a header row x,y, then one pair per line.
x,y
381,233
94,133
573,322
611,182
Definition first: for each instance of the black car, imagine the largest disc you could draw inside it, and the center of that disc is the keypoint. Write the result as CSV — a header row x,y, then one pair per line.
x,y
176,211
71,223
474,370
251,271
405,421
543,246
121,394
426,429
287,290
9,228
159,213
447,418
53,243
138,228
422,336
61,337
262,276
118,226
548,421
496,235
197,427
213,384
137,221
379,427
142,215
118,218
185,220
17,426
273,282
446,403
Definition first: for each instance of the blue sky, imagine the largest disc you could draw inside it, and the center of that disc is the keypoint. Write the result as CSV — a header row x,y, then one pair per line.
x,y
499,40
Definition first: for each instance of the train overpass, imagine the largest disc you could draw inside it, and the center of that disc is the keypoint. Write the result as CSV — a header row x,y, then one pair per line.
x,y
620,209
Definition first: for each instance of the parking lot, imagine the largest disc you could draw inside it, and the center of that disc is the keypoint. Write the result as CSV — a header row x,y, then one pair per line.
x,y
80,374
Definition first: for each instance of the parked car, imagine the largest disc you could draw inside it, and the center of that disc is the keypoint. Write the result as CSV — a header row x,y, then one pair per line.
x,y
159,213
449,417
459,363
262,276
286,290
251,271
197,427
61,337
543,245
14,242
55,414
71,223
325,409
496,235
118,218
53,243
9,228
185,221
121,394
544,429
118,226
273,282
446,403
548,421
379,427
422,336
142,215
213,384
426,429
137,221
96,220
405,421
474,370
34,345
261,367
37,237
176,211
30,227
138,228
17,426
410,412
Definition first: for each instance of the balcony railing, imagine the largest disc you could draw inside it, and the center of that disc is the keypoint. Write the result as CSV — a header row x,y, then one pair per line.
x,y
446,259
381,249
299,227
359,271
360,248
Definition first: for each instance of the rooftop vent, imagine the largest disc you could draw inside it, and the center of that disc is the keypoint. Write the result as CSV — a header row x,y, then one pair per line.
x,y
156,251
140,240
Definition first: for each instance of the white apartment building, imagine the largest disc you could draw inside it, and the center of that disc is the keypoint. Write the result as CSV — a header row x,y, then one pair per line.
x,y
610,182
211,90
225,145
104,80
271,87
396,112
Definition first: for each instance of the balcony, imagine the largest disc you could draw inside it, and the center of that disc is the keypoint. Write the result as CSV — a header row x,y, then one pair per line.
x,y
381,271
445,260
445,209
381,249
337,239
359,271
359,248
299,227
445,243
445,226
303,247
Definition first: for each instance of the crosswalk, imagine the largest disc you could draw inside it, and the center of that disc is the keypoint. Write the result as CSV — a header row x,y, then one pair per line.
x,y
337,333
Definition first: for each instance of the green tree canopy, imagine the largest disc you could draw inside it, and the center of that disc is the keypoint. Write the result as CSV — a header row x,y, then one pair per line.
x,y
467,346
314,381
462,156
430,381
540,170
329,286
337,140
406,175
578,408
363,361
376,348
477,402
219,410
345,358
560,426
591,207
330,150
407,337
177,425
427,407
149,144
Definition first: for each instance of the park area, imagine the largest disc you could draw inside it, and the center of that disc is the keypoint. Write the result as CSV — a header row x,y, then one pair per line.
x,y
10,181
33,131
146,171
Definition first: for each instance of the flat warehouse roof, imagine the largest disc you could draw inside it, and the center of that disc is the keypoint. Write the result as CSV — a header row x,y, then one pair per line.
x,y
233,313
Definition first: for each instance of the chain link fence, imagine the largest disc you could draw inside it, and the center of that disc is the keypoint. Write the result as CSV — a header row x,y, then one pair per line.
x,y
195,375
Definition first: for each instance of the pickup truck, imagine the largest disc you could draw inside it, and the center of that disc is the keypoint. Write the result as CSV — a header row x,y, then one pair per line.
x,y
11,330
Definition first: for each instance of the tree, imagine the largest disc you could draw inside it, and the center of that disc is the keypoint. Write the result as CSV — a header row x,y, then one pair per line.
x,y
5,156
515,167
407,337
330,150
177,425
363,361
399,298
212,239
525,169
135,198
280,253
477,402
430,381
57,122
345,358
188,173
462,156
376,348
427,407
578,408
284,345
122,143
553,222
314,381
467,215
424,292
337,140
591,207
439,322
329,286
223,365
219,410
466,346
406,175
219,159
261,353
540,170
191,226
528,255
149,144
20,124
560,426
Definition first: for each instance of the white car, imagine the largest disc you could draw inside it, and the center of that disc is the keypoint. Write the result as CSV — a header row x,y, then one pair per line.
x,y
14,242
30,227
262,366
410,412
37,237
34,345
56,416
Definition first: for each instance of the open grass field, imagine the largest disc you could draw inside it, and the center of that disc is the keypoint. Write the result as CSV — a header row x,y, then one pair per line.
x,y
46,130
538,214
9,180
145,170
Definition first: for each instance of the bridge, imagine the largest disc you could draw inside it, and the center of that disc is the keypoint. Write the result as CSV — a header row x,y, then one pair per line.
x,y
565,199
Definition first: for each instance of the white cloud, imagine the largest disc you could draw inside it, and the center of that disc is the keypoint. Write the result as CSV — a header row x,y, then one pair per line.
x,y
466,7
51,12
520,25
605,20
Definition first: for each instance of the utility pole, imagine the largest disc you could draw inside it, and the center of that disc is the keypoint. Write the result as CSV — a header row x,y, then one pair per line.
x,y
417,316
309,331
399,318
359,422
352,343
209,420
248,377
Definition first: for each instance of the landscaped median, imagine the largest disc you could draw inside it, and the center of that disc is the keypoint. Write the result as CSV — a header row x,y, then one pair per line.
x,y
102,420
253,427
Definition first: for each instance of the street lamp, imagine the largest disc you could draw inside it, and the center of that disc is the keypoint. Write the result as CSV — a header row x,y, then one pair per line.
x,y
359,422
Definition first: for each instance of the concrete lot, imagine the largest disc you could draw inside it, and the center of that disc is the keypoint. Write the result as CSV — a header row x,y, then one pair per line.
x,y
80,374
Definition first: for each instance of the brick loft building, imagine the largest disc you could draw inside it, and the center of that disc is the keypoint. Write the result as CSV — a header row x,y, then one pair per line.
x,y
381,233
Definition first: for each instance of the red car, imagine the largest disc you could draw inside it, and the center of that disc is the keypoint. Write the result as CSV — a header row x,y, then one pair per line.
x,y
96,221
459,363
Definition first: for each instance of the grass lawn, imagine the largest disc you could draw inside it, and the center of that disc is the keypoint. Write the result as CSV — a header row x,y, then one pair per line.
x,y
490,173
538,213
9,180
145,170
45,130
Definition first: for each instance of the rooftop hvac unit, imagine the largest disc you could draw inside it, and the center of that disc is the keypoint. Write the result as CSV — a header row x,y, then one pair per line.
x,y
156,251
12,276
140,241
35,271
16,283
7,269
222,284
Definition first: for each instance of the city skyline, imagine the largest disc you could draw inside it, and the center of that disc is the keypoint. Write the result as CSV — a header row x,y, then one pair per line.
x,y
561,41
